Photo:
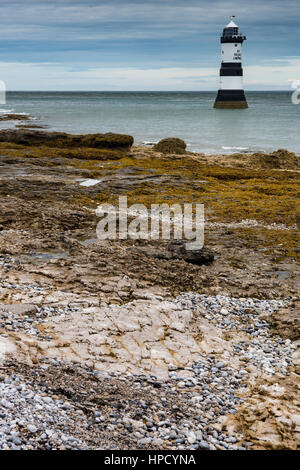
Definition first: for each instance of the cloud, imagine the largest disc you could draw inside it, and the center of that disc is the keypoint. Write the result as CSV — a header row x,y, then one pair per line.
x,y
74,20
272,76
55,76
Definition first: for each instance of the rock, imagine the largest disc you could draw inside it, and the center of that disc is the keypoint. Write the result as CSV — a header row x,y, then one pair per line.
x,y
157,442
286,322
191,437
18,309
177,249
280,159
181,384
224,311
16,441
63,140
145,441
31,428
30,126
220,365
171,145
203,445
15,117
6,404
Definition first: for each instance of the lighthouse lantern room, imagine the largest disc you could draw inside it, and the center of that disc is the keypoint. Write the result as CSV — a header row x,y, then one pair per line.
x,y
231,93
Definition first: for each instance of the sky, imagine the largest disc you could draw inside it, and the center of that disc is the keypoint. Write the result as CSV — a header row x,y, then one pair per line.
x,y
118,45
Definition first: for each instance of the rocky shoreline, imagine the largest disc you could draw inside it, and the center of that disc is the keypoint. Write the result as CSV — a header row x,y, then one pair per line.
x,y
132,344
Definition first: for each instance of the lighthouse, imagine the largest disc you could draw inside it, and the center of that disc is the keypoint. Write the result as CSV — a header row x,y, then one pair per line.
x,y
231,94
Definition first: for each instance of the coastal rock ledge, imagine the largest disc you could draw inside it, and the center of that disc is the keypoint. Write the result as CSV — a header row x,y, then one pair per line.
x,y
62,139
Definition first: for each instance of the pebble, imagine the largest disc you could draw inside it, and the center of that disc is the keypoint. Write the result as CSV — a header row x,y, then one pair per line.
x,y
31,428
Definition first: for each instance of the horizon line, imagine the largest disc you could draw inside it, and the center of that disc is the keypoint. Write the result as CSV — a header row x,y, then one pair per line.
x,y
136,91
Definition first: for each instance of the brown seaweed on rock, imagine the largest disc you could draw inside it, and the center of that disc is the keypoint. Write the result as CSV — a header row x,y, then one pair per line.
x,y
15,117
30,126
280,159
171,145
63,140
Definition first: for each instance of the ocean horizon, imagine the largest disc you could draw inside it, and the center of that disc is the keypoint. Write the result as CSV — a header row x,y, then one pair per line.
x,y
268,124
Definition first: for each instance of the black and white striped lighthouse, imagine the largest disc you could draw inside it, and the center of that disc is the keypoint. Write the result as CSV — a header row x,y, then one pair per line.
x,y
231,94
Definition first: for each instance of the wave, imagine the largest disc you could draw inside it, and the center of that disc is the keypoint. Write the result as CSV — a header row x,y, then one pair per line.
x,y
235,148
12,111
22,114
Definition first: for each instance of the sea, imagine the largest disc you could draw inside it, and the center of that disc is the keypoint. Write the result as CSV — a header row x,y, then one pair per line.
x,y
271,121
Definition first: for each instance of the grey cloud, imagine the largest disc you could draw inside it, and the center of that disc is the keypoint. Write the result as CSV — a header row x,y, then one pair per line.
x,y
79,20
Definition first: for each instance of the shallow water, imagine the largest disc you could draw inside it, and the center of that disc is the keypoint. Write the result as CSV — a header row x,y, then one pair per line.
x,y
45,256
269,123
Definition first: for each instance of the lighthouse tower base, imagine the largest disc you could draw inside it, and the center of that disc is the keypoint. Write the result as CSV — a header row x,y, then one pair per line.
x,y
231,99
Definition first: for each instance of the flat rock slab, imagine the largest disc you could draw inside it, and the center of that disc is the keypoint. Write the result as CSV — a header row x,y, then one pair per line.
x,y
18,309
6,347
143,336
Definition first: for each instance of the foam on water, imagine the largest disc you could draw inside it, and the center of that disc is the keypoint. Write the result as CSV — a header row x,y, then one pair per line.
x,y
150,142
235,148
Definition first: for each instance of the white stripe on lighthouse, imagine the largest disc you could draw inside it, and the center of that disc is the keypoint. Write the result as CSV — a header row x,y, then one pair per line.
x,y
232,52
231,83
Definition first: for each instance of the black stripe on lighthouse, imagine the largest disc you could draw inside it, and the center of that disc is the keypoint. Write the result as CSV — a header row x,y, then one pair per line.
x,y
231,72
231,96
